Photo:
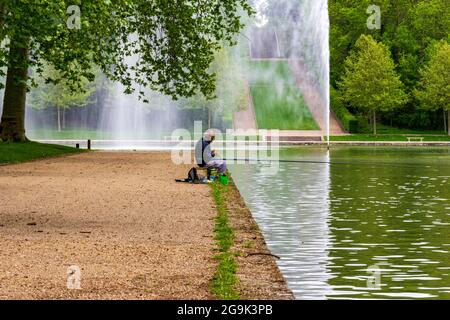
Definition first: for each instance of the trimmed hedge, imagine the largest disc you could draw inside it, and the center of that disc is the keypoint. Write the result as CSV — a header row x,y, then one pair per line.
x,y
347,119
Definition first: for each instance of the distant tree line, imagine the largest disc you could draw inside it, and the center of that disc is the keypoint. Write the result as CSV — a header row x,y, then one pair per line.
x,y
57,98
398,73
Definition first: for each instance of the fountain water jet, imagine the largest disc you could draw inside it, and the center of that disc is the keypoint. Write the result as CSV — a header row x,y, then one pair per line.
x,y
296,32
315,26
128,118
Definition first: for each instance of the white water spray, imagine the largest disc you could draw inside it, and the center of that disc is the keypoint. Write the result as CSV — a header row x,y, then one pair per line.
x,y
128,118
297,32
314,37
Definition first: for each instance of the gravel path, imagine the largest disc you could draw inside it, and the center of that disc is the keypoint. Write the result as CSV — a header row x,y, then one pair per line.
x,y
120,217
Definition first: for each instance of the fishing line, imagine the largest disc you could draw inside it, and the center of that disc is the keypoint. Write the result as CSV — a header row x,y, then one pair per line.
x,y
327,162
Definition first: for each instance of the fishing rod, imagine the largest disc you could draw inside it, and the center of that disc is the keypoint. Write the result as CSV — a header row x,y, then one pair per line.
x,y
323,162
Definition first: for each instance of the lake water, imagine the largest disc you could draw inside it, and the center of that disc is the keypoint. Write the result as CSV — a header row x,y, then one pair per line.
x,y
373,224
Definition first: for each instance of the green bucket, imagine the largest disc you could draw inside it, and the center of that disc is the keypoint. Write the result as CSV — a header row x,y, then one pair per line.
x,y
223,179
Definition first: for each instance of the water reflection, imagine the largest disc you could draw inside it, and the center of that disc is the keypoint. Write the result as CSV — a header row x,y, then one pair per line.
x,y
301,239
390,208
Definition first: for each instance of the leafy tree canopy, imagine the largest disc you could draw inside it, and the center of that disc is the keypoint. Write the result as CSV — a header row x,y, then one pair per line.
x,y
434,86
370,82
51,95
174,41
407,29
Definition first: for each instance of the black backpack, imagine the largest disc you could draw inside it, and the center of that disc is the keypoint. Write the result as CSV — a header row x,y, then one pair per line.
x,y
193,175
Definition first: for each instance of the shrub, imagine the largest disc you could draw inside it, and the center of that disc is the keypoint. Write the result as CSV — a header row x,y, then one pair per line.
x,y
347,119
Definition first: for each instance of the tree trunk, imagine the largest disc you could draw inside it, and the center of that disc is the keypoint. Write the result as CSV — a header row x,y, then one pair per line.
x,y
445,120
448,125
12,125
64,118
374,122
59,118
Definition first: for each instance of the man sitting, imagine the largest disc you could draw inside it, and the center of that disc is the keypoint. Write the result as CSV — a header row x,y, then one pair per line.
x,y
204,156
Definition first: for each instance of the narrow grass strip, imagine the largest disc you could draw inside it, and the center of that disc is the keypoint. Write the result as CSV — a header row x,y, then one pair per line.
x,y
28,151
225,279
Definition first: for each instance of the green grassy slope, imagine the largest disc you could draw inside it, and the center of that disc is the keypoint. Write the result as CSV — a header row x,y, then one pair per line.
x,y
277,100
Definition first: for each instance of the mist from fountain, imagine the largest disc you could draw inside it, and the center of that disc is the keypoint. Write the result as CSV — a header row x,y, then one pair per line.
x,y
296,32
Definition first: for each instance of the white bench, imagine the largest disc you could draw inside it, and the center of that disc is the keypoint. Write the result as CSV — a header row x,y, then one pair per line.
x,y
410,139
